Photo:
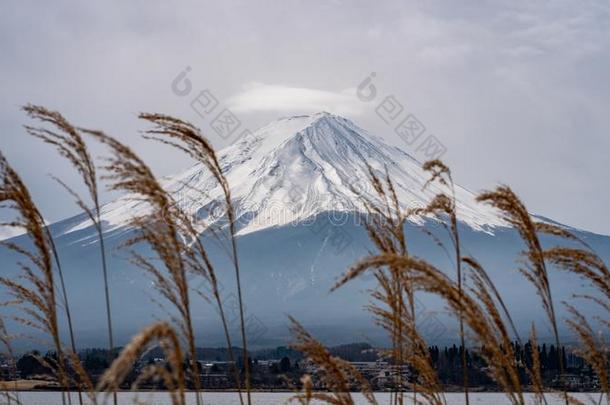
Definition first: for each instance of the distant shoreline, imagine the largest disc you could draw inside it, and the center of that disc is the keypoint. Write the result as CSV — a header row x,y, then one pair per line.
x,y
39,386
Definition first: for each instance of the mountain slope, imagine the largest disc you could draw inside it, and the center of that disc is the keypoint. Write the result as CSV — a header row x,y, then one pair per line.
x,y
296,185
294,169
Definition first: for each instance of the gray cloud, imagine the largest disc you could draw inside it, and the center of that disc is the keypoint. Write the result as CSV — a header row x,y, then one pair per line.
x,y
257,97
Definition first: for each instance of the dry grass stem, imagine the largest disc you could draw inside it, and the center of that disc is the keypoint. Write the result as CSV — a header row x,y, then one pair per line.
x,y
535,269
336,374
535,371
189,139
36,292
161,231
440,205
68,141
169,342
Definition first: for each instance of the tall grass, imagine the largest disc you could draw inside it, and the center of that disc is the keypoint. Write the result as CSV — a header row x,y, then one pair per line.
x,y
384,222
70,144
586,264
535,372
188,139
125,171
6,341
337,374
534,268
471,296
482,309
444,204
172,377
35,294
486,327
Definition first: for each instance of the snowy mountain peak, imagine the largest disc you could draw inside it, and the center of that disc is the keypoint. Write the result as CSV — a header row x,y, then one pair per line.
x,y
286,128
293,169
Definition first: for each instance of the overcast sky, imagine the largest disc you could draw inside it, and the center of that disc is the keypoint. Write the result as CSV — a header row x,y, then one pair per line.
x,y
518,92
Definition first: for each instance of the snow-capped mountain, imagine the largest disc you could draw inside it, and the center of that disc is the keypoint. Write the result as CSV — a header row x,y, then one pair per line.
x,y
287,179
294,169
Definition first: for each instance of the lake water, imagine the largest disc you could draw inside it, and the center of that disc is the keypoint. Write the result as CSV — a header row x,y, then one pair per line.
x,y
227,398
